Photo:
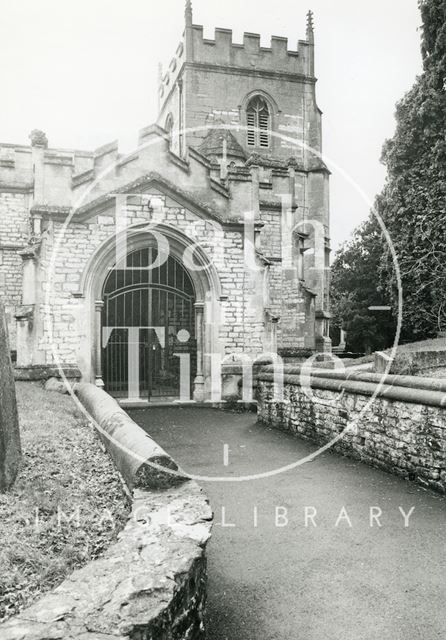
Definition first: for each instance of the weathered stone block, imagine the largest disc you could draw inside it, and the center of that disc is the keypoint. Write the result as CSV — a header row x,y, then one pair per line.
x,y
10,449
53,384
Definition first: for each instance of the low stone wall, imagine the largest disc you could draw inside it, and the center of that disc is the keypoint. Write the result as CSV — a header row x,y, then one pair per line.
x,y
402,430
45,372
422,362
149,585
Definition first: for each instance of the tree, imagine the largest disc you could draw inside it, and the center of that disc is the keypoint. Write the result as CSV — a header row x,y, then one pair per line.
x,y
413,201
356,286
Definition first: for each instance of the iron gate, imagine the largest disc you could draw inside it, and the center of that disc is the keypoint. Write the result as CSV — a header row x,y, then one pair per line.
x,y
157,302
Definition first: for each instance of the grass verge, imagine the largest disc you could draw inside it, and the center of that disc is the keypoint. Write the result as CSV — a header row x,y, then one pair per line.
x,y
66,506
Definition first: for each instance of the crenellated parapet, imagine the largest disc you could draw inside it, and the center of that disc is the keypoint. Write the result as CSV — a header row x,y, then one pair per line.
x,y
222,51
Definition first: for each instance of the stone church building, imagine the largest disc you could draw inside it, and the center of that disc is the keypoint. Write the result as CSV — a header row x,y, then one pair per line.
x,y
206,245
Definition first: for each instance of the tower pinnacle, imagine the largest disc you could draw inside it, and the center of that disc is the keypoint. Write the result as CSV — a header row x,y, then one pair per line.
x,y
310,26
188,13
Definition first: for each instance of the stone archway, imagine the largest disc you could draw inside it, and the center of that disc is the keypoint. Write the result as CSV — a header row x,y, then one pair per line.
x,y
205,300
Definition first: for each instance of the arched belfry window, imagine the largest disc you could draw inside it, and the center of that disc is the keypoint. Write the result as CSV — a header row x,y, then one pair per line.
x,y
258,120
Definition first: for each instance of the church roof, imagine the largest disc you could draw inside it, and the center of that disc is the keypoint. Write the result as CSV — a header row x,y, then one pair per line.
x,y
212,145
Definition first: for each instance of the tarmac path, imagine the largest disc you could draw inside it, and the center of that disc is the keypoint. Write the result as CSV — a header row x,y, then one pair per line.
x,y
300,555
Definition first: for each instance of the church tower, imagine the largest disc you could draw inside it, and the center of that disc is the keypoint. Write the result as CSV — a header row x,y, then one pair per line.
x,y
242,85
245,105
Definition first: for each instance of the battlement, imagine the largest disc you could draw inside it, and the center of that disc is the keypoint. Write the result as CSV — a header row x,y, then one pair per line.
x,y
223,51
17,162
28,168
249,56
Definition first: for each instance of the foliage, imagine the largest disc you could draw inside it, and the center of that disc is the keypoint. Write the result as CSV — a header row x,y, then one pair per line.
x,y
412,206
413,202
63,473
355,287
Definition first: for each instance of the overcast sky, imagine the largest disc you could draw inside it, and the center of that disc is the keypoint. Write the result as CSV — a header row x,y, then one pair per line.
x,y
86,72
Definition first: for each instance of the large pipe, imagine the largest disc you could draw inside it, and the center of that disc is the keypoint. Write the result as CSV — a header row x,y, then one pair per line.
x,y
140,460
411,389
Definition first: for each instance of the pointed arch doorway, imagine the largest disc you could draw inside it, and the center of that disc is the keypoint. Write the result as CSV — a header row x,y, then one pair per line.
x,y
100,285
149,315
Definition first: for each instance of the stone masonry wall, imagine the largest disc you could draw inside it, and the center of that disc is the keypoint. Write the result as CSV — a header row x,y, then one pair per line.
x,y
288,299
215,97
64,326
151,584
404,438
13,234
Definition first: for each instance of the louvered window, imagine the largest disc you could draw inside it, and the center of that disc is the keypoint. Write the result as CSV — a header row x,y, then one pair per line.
x,y
258,123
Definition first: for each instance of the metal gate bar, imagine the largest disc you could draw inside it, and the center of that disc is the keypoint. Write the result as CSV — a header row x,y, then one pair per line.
x,y
141,296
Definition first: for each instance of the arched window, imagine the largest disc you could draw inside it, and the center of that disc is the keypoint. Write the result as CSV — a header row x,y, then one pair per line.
x,y
258,120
